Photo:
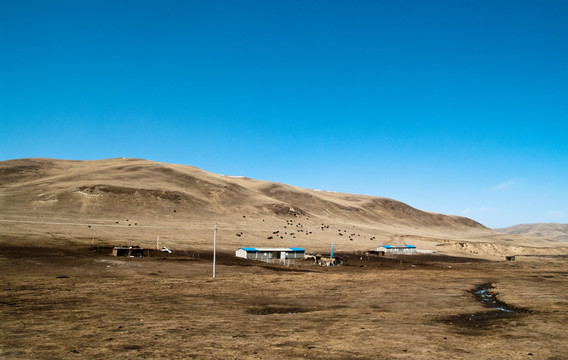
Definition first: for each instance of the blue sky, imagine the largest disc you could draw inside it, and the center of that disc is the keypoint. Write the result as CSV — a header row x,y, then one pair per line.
x,y
458,107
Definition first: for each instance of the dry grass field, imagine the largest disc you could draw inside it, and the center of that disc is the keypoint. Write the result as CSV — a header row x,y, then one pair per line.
x,y
69,304
63,297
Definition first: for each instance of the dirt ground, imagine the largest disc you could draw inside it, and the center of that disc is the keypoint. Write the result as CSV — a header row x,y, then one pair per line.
x,y
79,304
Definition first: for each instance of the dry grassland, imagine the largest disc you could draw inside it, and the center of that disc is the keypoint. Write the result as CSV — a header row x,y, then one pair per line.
x,y
61,300
71,304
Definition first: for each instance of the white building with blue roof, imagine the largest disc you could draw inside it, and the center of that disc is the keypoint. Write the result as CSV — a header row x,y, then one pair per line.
x,y
270,253
397,249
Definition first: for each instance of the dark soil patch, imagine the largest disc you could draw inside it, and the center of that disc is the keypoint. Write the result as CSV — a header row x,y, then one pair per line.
x,y
30,252
285,268
423,258
132,347
483,320
276,309
424,261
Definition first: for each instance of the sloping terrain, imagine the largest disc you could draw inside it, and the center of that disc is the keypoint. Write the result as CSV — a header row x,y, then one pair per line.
x,y
117,185
552,231
62,296
134,201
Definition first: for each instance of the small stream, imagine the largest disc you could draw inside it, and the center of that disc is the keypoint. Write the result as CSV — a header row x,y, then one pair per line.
x,y
472,323
484,295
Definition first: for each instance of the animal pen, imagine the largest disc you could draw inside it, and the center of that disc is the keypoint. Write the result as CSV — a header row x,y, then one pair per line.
x,y
136,251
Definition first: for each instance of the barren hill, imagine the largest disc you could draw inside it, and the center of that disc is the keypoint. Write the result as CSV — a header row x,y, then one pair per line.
x,y
552,231
134,201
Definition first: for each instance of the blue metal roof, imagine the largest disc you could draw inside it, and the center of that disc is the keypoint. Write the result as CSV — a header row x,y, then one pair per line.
x,y
296,249
406,246
251,249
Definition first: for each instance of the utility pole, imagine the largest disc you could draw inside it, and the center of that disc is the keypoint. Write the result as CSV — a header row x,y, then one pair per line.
x,y
214,248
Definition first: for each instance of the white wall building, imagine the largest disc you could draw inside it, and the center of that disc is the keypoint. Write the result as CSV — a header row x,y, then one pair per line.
x,y
397,249
270,253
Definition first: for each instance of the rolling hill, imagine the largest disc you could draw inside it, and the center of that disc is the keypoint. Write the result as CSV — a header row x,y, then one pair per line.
x,y
127,200
552,231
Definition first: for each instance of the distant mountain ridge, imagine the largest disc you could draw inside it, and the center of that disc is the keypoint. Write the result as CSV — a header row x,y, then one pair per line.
x,y
553,231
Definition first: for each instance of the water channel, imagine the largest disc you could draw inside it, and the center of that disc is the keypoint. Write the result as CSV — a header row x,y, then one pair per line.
x,y
484,294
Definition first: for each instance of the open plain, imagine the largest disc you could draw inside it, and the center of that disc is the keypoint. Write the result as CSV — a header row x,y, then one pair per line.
x,y
63,296
73,303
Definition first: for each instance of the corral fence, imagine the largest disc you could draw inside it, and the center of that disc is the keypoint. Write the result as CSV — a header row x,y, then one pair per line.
x,y
137,252
281,262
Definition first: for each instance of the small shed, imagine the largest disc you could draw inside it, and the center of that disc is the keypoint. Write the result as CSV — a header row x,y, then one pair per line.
x,y
128,251
397,249
270,253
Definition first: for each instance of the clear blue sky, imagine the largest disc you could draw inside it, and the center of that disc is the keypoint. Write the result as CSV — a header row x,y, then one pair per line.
x,y
458,107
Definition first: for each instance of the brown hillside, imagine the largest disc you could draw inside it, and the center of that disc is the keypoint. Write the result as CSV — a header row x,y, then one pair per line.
x,y
554,231
134,201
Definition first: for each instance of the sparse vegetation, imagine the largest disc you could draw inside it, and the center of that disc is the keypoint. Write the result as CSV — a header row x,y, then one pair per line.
x,y
62,295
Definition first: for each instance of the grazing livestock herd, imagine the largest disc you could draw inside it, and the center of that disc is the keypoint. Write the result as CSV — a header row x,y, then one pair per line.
x,y
299,228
